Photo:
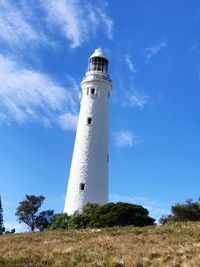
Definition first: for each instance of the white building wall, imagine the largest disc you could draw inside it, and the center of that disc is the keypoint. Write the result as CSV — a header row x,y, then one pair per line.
x,y
90,156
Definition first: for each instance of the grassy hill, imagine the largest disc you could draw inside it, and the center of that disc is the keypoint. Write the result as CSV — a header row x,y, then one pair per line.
x,y
175,245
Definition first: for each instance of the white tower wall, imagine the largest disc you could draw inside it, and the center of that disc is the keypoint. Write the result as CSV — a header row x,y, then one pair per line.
x,y
88,180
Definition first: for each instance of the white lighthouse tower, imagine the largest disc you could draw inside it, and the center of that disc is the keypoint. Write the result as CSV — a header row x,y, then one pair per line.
x,y
88,179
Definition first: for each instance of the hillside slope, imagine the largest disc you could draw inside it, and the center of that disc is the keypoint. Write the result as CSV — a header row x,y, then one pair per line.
x,y
173,245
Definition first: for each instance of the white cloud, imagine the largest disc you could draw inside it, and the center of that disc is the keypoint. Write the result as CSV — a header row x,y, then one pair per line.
x,y
129,62
135,98
125,138
4,119
77,20
68,121
105,20
154,50
15,28
27,95
155,208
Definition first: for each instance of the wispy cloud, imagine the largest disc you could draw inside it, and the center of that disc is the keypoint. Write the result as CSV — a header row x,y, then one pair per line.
x,y
15,27
77,20
27,95
129,63
105,21
156,209
135,98
68,121
125,138
154,50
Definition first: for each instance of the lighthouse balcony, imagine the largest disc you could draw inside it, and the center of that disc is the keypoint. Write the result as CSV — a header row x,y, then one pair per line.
x,y
95,75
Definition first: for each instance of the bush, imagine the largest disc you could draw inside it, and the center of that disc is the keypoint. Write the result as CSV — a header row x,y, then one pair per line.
x,y
10,232
60,221
189,211
111,214
78,221
120,214
2,230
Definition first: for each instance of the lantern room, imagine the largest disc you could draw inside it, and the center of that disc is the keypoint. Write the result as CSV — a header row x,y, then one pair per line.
x,y
98,61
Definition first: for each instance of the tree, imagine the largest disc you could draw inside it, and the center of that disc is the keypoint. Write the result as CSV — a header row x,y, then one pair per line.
x,y
188,211
2,228
27,212
44,219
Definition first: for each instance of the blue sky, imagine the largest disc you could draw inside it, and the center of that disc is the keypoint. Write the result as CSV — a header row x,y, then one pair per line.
x,y
154,52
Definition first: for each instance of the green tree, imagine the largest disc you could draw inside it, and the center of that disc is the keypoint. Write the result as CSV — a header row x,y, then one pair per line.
x,y
2,228
27,211
44,219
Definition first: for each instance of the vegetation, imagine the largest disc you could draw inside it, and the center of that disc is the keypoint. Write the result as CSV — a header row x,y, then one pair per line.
x,y
2,228
108,215
189,211
120,214
100,240
10,232
27,212
171,245
60,221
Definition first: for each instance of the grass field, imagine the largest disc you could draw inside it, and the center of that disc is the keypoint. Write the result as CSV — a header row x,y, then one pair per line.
x,y
176,245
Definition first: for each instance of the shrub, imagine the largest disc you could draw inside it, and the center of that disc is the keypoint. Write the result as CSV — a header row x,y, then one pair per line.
x,y
111,214
60,221
78,221
189,211
120,214
10,232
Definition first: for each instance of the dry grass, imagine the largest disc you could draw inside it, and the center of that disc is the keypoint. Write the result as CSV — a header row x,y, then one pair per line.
x,y
176,245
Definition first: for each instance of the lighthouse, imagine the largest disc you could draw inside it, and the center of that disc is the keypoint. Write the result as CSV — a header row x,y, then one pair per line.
x,y
88,179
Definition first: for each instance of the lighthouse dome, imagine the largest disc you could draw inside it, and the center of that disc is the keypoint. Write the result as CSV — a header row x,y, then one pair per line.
x,y
98,53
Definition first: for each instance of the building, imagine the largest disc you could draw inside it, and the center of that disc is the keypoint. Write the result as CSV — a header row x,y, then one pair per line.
x,y
88,179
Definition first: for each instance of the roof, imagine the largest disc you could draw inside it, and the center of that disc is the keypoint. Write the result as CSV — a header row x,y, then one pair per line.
x,y
99,53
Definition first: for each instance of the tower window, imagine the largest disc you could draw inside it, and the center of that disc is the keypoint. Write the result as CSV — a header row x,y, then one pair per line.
x,y
82,186
107,158
92,91
89,120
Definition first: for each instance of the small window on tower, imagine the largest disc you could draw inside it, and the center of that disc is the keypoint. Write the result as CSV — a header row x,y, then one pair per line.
x,y
92,91
89,121
82,186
